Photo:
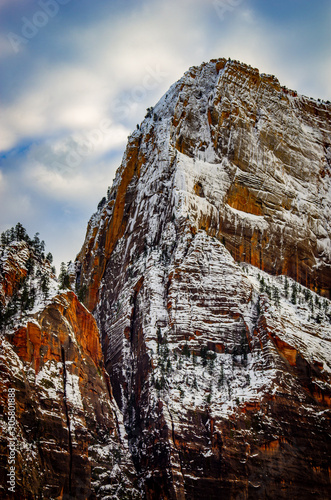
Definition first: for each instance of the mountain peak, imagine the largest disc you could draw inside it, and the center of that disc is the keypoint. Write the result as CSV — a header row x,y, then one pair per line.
x,y
200,366
206,270
230,133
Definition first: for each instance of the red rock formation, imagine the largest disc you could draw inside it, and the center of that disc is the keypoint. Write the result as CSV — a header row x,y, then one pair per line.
x,y
55,366
116,225
219,365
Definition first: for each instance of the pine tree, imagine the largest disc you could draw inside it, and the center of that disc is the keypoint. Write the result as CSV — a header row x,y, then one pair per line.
x,y
64,278
221,377
30,266
186,350
36,242
4,239
45,286
49,257
32,298
20,232
81,294
24,298
262,285
101,203
286,287
294,293
276,296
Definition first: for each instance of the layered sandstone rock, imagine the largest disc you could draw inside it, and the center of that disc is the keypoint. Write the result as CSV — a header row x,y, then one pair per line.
x,y
272,150
222,370
69,439
208,274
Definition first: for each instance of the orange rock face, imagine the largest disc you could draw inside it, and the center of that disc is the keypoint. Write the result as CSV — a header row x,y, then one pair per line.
x,y
67,429
115,226
37,346
241,198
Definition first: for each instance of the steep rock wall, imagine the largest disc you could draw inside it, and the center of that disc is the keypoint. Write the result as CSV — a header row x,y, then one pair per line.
x,y
222,371
67,434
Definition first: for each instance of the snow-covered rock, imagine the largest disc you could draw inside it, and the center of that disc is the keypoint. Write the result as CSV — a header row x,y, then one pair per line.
x,y
219,363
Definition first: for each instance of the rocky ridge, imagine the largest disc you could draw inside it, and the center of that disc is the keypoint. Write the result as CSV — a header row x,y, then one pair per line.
x,y
70,441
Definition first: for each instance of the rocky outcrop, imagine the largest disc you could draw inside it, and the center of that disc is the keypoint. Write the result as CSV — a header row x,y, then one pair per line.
x,y
61,429
68,438
13,272
220,364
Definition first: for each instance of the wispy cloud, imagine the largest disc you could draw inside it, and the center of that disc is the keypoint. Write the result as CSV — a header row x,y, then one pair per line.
x,y
72,94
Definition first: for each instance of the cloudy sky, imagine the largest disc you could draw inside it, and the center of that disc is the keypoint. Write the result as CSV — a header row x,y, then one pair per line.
x,y
78,75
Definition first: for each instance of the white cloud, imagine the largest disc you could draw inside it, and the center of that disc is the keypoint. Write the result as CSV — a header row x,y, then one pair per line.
x,y
62,98
112,69
58,185
131,55
59,173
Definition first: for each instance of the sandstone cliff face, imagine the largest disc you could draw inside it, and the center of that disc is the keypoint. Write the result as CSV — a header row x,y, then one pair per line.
x,y
267,151
69,437
220,365
278,148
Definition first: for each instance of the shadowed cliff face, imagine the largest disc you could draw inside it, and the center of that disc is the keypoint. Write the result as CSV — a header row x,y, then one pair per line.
x,y
67,437
220,364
